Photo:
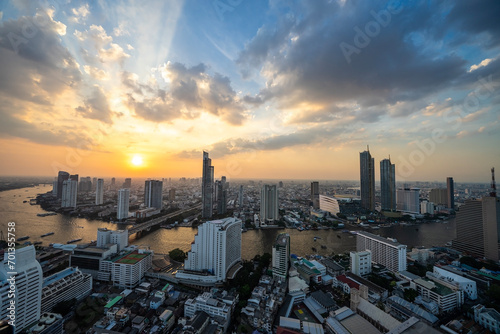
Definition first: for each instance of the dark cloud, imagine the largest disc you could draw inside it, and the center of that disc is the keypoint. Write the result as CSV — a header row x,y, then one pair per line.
x,y
190,91
373,54
96,106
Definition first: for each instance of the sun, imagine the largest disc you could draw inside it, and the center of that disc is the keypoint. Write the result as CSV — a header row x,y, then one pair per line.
x,y
137,160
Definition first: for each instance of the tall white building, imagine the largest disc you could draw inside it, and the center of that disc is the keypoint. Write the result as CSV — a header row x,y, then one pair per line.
x,y
99,192
216,248
329,204
69,193
426,207
408,200
118,237
123,203
385,251
269,204
281,255
153,194
361,262
27,284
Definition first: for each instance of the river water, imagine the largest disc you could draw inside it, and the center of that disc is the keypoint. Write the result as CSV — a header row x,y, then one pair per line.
x,y
12,209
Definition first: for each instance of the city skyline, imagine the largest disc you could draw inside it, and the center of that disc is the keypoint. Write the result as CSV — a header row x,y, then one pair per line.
x,y
269,89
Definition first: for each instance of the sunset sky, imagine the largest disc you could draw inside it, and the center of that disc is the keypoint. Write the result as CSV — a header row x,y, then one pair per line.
x,y
271,89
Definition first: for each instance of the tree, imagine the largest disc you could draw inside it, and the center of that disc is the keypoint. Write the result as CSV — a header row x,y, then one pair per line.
x,y
177,255
410,295
64,307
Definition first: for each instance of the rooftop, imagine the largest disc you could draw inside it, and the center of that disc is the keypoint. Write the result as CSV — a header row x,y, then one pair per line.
x,y
60,275
386,241
129,258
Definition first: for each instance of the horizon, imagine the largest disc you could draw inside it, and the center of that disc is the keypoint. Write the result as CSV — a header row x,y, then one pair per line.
x,y
270,89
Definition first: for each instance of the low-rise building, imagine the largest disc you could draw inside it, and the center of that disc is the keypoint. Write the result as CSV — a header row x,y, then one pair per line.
x,y
215,308
447,297
489,318
465,284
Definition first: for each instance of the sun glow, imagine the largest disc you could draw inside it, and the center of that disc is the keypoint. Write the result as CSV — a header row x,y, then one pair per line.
x,y
137,160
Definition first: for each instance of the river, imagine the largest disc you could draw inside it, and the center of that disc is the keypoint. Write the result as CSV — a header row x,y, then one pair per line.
x,y
12,209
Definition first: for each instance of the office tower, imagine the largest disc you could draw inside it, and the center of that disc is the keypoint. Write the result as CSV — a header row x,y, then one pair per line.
x,y
315,194
94,183
115,237
450,193
69,193
123,203
171,194
387,185
74,177
269,204
99,192
408,200
28,279
153,194
439,196
367,178
361,262
113,182
64,286
281,255
478,227
127,183
329,204
385,251
221,197
216,248
240,197
207,185
61,177
85,184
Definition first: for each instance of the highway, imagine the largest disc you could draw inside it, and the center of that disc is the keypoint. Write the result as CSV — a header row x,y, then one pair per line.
x,y
160,220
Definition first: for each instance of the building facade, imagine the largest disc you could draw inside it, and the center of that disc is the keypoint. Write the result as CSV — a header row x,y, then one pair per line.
x,y
281,255
387,185
123,203
361,262
408,200
269,204
69,194
450,193
207,187
315,194
367,180
387,252
329,204
153,194
99,192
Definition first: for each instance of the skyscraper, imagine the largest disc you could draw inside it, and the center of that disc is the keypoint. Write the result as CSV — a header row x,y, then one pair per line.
x,y
216,248
240,196
123,203
127,183
221,196
113,182
153,194
408,200
69,193
61,177
28,279
171,194
450,193
269,204
315,194
207,187
439,196
388,185
367,178
281,255
99,192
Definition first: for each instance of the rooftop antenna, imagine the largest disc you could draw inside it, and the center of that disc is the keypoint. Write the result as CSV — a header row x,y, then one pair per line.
x,y
493,192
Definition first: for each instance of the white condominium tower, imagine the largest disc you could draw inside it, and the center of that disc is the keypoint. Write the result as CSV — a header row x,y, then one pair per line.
x,y
269,204
99,192
123,203
385,251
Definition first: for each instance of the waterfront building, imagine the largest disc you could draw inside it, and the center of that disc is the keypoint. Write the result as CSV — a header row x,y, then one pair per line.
x,y
315,195
450,193
123,204
361,262
115,237
427,207
385,251
99,192
207,184
439,196
269,204
408,200
281,255
329,204
61,177
387,185
69,194
153,194
367,180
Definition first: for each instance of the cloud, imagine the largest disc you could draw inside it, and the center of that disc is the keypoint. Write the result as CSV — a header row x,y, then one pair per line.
x,y
189,91
481,64
96,73
393,70
80,14
96,106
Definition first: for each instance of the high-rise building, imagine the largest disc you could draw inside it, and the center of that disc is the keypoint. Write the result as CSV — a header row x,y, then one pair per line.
x,y
221,196
367,178
24,285
69,193
439,196
123,203
171,194
387,185
94,183
127,183
115,237
85,184
269,204
408,200
427,207
113,183
315,194
99,192
216,249
207,185
361,262
281,255
74,177
450,193
385,251
153,194
329,204
61,177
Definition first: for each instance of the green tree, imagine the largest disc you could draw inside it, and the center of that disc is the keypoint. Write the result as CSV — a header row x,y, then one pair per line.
x,y
177,255
64,307
410,295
